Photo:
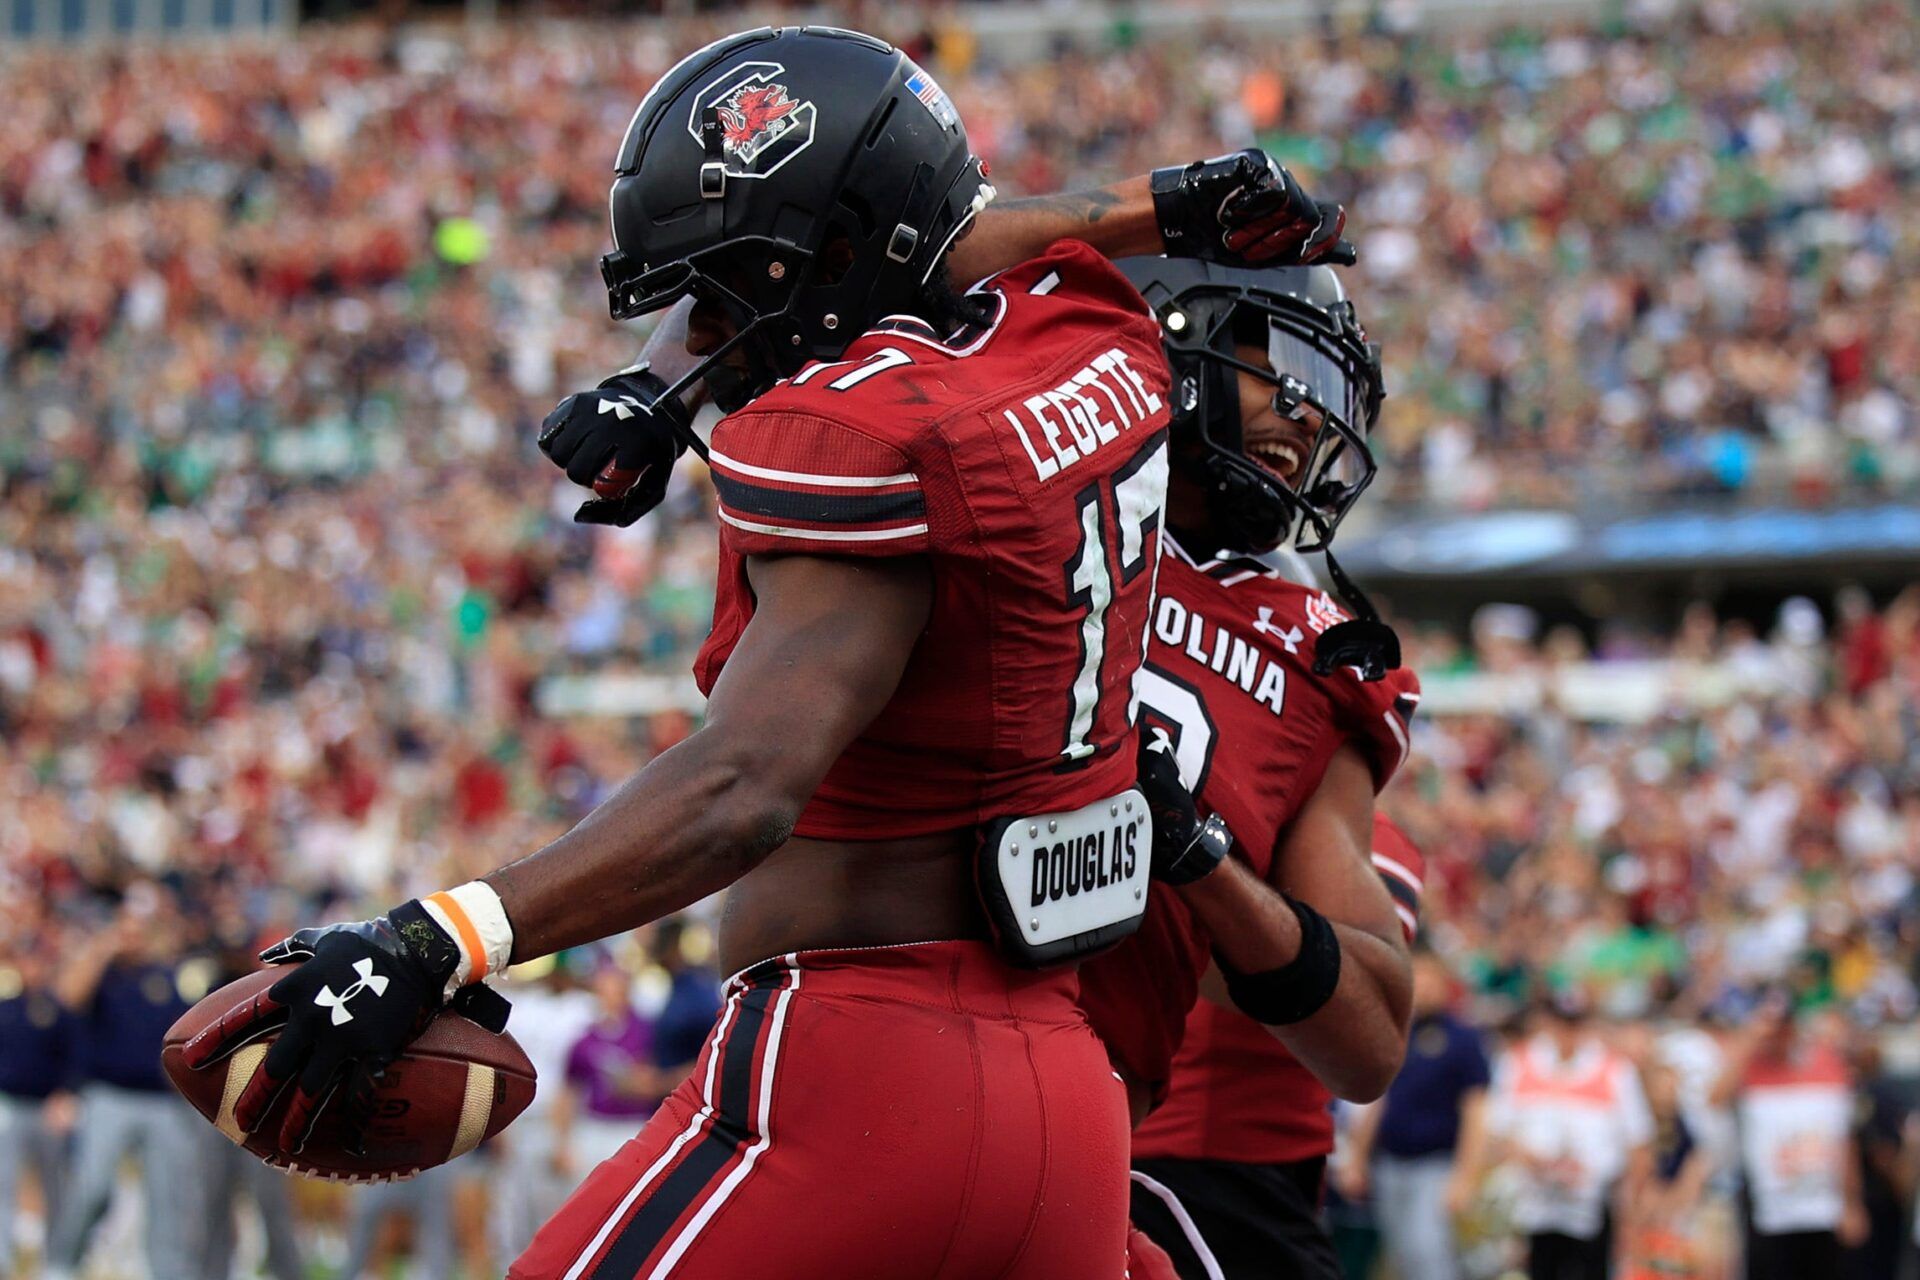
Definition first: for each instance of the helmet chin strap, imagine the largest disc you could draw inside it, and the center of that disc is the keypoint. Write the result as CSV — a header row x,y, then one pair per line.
x,y
1242,511
1362,641
686,380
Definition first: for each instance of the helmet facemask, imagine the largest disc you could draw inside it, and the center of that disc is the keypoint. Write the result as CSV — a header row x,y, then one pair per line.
x,y
752,282
1323,375
1304,342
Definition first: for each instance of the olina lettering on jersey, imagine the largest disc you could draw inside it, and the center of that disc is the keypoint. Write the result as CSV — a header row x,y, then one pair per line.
x,y
1239,660
1093,861
1072,421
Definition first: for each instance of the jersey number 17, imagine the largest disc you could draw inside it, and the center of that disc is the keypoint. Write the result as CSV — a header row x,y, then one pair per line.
x,y
1120,518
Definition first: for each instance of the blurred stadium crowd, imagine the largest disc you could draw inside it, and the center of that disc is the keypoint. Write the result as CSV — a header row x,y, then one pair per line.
x,y
281,573
1611,260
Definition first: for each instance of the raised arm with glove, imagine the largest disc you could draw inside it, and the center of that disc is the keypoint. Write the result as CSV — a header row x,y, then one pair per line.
x,y
622,438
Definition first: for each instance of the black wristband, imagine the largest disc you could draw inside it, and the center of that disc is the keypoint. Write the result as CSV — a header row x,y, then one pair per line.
x,y
1296,991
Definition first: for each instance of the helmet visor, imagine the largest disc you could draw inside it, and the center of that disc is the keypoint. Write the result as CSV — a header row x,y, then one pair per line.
x,y
1339,466
1329,385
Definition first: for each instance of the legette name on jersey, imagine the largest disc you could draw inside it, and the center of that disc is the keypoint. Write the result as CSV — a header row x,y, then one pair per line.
x,y
1091,409
1239,660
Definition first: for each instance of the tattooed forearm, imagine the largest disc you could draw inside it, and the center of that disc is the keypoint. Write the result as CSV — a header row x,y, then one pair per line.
x,y
1117,220
1081,206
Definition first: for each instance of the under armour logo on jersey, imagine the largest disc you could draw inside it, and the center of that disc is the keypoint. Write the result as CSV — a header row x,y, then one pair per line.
x,y
622,406
1266,626
369,981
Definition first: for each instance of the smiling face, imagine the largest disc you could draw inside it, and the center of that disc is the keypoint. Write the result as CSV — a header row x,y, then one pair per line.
x,y
1278,445
1275,444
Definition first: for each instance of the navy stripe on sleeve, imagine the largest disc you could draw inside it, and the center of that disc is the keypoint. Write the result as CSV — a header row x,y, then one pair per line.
x,y
1403,893
823,508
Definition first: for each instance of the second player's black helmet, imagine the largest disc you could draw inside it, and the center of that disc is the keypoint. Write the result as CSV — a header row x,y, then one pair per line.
x,y
807,180
1315,353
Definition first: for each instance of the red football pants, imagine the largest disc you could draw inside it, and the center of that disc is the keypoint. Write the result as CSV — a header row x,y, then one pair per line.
x,y
885,1113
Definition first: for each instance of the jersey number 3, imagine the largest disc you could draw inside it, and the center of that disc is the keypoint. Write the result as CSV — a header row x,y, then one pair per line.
x,y
1118,516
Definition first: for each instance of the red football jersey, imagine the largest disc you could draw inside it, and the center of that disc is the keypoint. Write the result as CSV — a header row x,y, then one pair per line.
x,y
1229,678
1027,462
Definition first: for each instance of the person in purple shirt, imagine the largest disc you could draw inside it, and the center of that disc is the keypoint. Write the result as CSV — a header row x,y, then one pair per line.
x,y
611,1084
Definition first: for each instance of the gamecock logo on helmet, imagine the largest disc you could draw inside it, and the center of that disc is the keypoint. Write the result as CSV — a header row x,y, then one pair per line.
x,y
762,126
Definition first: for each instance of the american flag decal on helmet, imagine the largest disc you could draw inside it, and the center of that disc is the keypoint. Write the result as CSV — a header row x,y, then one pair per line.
x,y
933,98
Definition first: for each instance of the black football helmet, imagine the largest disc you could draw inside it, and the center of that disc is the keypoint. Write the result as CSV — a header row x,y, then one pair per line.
x,y
806,180
1316,355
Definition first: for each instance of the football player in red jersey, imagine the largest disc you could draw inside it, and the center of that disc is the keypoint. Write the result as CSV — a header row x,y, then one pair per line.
x,y
940,520
622,438
1256,686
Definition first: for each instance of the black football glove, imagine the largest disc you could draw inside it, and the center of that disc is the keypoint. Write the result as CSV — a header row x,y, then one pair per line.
x,y
1185,845
360,994
1244,210
616,440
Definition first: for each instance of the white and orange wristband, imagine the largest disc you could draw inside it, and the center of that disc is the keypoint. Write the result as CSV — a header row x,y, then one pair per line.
x,y
471,914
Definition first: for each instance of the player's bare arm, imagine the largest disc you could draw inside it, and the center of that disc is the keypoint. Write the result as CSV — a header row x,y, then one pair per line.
x,y
1118,220
1326,859
1355,1042
823,653
1252,926
1240,208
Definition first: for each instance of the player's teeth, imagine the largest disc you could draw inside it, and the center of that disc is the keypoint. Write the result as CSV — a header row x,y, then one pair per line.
x,y
1277,453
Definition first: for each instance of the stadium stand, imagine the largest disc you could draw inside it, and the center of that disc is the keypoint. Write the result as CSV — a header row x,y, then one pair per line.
x,y
289,605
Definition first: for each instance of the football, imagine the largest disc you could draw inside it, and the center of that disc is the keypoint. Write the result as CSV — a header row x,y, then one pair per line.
x,y
456,1085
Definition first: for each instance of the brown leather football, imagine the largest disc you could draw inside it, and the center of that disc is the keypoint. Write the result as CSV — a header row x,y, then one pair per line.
x,y
457,1084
